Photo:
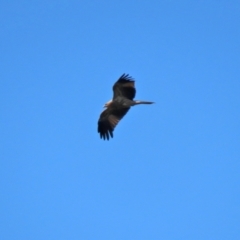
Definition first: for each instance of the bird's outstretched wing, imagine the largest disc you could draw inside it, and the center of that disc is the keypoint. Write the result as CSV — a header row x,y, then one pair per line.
x,y
124,87
108,120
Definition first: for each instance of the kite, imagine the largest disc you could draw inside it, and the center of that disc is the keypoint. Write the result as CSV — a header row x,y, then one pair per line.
x,y
123,94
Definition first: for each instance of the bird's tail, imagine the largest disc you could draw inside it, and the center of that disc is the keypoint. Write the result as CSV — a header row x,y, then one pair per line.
x,y
142,102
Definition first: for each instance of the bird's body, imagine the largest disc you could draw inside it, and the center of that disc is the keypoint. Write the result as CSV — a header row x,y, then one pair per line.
x,y
124,92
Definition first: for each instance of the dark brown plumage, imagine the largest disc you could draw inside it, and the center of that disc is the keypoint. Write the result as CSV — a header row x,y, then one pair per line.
x,y
123,94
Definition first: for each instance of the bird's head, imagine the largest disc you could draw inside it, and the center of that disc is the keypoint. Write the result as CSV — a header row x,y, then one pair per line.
x,y
107,104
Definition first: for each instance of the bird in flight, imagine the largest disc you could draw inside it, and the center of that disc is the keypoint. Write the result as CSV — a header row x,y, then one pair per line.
x,y
123,94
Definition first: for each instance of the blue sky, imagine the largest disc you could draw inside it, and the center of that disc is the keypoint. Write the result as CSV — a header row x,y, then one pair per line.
x,y
172,170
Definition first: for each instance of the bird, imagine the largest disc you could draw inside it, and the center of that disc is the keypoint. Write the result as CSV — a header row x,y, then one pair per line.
x,y
123,99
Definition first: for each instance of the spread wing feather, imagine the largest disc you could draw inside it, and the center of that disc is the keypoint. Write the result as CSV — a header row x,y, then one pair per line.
x,y
108,120
125,86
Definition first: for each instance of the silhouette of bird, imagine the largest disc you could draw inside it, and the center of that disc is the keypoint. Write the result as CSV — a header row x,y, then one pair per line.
x,y
123,94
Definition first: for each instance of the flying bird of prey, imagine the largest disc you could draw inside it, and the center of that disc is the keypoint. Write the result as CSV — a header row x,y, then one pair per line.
x,y
123,94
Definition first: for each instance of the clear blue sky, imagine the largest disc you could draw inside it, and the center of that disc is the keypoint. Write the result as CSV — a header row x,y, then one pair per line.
x,y
172,170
